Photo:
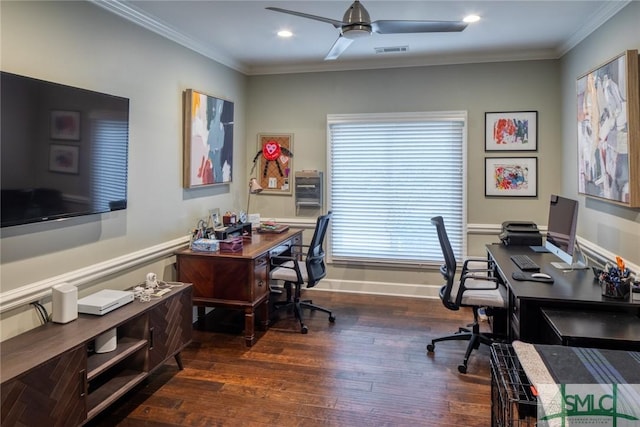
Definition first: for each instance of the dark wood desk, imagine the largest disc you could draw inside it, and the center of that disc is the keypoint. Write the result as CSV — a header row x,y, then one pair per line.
x,y
602,329
571,290
238,280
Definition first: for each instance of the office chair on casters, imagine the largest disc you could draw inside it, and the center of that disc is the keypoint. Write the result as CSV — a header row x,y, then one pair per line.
x,y
475,288
296,272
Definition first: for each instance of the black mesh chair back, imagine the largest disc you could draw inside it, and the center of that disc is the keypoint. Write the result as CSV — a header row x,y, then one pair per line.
x,y
316,268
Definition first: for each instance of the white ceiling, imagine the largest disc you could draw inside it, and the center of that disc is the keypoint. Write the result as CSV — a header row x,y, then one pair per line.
x,y
242,34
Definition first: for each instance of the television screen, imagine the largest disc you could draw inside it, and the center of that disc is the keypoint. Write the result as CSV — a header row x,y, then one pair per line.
x,y
63,151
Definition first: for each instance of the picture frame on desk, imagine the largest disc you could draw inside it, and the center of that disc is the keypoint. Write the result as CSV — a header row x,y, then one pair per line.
x,y
511,131
215,219
511,177
608,131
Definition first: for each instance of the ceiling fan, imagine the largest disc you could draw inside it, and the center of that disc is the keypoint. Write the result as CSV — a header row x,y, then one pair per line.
x,y
356,23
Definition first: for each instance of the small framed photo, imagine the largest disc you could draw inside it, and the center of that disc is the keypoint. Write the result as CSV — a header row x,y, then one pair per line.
x,y
65,125
511,176
64,158
215,219
511,131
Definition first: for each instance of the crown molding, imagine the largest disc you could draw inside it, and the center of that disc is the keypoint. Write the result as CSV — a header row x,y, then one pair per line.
x,y
151,23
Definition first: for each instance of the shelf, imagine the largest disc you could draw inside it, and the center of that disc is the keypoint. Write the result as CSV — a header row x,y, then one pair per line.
x,y
100,362
112,390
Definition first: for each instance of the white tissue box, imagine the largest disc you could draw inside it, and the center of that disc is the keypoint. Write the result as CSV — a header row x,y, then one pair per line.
x,y
205,245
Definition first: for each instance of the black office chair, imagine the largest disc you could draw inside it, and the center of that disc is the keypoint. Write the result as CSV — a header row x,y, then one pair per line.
x,y
296,271
476,288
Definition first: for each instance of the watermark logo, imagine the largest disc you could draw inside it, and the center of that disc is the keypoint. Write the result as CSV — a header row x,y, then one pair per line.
x,y
589,405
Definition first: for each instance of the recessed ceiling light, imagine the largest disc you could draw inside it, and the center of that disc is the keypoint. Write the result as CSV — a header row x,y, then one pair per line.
x,y
471,18
285,33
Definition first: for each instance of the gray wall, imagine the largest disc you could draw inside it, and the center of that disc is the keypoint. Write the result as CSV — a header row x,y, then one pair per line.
x,y
80,44
299,104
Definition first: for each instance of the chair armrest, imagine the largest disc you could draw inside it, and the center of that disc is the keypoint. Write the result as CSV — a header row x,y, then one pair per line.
x,y
295,267
479,288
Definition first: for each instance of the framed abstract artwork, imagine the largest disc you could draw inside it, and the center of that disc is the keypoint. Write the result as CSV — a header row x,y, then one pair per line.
x,y
274,163
65,125
208,140
64,158
511,176
608,129
511,131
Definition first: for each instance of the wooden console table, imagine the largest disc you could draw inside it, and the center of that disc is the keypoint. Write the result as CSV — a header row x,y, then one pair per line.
x,y
52,377
238,280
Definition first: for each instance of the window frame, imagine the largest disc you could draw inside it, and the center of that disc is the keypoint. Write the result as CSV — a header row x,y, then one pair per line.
x,y
460,116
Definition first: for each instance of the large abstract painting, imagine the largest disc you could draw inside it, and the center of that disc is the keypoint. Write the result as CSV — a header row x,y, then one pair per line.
x,y
609,131
208,140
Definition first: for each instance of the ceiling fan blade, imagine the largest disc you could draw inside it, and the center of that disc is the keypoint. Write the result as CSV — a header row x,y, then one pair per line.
x,y
338,47
335,23
400,27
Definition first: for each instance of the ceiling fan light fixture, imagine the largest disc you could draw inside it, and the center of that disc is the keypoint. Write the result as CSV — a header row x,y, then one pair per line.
x,y
356,31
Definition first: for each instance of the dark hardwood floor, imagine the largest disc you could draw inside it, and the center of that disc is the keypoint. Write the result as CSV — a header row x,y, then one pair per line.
x,y
369,368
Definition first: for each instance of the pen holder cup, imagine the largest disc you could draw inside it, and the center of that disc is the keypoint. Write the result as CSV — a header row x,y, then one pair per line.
x,y
613,288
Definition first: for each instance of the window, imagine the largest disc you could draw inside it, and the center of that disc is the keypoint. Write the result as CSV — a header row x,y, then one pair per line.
x,y
388,175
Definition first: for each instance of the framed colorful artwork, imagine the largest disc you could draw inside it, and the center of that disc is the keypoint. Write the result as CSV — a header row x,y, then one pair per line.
x,y
608,129
64,158
511,131
511,176
65,125
208,140
274,163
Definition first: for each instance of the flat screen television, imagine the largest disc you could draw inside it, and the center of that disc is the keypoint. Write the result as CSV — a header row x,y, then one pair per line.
x,y
561,232
64,151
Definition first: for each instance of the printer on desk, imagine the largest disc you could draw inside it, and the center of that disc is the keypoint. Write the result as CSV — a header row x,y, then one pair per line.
x,y
520,233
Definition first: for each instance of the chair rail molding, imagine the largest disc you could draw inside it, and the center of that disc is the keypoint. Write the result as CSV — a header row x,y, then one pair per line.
x,y
34,291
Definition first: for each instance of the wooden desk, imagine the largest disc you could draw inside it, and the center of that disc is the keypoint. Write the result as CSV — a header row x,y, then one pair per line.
x,y
237,280
575,290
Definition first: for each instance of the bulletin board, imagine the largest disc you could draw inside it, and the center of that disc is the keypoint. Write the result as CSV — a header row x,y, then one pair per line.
x,y
274,163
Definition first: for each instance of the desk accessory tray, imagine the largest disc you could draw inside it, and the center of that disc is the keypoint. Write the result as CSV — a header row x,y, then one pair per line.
x,y
523,275
233,244
273,229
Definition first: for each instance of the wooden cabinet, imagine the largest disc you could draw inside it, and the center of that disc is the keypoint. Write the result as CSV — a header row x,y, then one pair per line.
x,y
170,326
51,394
52,375
237,280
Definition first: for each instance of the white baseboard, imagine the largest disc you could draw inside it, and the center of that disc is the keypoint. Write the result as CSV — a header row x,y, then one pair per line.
x,y
379,288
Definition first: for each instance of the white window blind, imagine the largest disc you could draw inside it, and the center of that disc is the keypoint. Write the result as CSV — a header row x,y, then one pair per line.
x,y
389,174
109,168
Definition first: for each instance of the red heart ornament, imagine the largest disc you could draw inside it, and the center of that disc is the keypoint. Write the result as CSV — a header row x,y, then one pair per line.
x,y
271,150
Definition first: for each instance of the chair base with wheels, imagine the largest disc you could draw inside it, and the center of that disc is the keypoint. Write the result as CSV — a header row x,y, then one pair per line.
x,y
294,301
472,334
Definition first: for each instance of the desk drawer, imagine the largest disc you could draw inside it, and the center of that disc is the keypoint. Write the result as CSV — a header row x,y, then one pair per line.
x,y
260,276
